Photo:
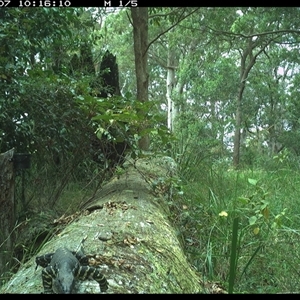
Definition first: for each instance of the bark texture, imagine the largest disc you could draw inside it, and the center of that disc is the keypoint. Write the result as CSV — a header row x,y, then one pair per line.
x,y
127,233
140,46
7,208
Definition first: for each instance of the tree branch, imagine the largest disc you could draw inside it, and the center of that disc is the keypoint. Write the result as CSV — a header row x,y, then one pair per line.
x,y
255,34
130,21
171,27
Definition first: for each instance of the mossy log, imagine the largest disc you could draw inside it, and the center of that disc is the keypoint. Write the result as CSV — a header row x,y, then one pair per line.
x,y
126,232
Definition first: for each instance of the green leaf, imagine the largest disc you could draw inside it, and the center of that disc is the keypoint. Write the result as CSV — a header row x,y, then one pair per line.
x,y
233,255
252,181
101,117
252,220
244,200
100,131
264,205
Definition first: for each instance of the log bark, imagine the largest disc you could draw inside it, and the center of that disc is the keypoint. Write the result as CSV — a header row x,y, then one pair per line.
x,y
7,209
125,231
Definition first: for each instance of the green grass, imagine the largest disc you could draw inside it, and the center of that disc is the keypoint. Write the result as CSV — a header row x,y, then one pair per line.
x,y
266,262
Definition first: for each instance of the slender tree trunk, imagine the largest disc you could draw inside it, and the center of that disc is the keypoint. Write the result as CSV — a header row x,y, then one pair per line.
x,y
238,123
247,62
140,44
7,209
170,87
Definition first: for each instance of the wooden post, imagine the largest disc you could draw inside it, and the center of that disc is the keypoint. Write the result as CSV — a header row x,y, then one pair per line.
x,y
7,209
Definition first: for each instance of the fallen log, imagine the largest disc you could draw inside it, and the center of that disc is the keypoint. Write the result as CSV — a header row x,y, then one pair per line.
x,y
127,234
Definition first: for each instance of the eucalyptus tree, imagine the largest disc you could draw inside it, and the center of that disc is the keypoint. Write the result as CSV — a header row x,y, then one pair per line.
x,y
199,83
140,19
154,25
208,54
286,129
251,31
171,48
268,100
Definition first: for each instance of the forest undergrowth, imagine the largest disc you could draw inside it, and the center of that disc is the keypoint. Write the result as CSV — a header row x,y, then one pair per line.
x,y
241,227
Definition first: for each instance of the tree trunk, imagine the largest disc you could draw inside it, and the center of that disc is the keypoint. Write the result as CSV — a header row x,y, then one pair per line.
x,y
126,232
140,44
7,211
170,86
238,123
247,62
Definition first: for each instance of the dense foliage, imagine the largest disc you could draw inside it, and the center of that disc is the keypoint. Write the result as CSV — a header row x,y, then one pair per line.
x,y
60,99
